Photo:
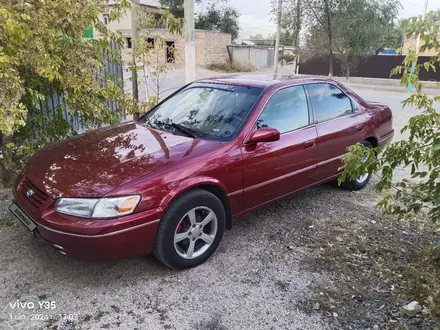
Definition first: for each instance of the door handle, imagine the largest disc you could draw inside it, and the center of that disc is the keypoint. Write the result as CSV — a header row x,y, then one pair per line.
x,y
309,144
360,127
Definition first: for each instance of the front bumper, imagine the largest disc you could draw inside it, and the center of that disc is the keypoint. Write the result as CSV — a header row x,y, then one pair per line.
x,y
112,246
90,239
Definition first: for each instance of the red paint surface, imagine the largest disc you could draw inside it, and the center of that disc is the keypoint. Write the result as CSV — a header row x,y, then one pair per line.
x,y
134,159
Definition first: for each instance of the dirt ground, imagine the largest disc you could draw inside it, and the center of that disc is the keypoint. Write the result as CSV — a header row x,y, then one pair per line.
x,y
324,258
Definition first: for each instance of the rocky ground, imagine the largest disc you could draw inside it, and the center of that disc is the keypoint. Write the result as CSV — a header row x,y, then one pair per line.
x,y
324,258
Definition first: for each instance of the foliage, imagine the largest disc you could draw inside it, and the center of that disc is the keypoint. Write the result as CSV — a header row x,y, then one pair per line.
x,y
420,153
289,58
42,52
149,50
223,19
212,15
232,67
422,279
291,20
391,37
349,27
360,25
286,38
175,7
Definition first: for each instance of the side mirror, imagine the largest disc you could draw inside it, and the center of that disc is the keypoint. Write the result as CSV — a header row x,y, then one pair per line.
x,y
264,135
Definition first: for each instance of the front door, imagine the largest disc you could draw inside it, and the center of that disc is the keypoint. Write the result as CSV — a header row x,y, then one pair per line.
x,y
275,169
339,124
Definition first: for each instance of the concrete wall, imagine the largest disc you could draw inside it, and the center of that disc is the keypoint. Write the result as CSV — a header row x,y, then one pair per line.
x,y
210,46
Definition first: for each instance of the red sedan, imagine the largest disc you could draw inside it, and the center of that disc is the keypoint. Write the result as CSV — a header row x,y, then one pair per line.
x,y
171,181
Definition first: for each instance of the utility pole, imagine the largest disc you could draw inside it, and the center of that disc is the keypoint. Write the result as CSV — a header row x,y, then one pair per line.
x,y
425,9
134,39
277,38
297,32
190,44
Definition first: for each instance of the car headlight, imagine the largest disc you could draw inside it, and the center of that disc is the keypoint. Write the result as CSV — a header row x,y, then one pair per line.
x,y
109,207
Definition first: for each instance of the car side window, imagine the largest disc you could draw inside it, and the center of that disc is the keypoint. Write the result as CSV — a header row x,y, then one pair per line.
x,y
286,110
329,102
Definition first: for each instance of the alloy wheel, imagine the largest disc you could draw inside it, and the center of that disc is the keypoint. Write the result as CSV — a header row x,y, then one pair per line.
x,y
362,178
195,232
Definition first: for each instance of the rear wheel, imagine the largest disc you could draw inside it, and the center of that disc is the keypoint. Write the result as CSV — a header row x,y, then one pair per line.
x,y
191,230
361,181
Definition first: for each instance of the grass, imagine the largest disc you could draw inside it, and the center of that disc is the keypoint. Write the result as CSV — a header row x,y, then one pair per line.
x,y
376,264
232,67
423,280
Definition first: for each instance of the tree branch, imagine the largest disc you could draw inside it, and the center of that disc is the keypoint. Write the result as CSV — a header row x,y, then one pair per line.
x,y
316,16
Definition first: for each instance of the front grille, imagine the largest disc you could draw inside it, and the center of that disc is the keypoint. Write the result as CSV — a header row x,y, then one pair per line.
x,y
37,198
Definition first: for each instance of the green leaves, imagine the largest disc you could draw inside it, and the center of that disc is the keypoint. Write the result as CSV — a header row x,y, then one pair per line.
x,y
43,53
419,155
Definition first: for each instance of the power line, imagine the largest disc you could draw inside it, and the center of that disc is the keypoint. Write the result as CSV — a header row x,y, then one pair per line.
x,y
413,4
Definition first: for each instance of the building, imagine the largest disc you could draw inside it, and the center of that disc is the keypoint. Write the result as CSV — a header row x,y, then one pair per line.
x,y
410,43
210,46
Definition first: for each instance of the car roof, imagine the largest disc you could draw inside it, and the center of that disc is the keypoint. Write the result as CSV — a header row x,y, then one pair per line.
x,y
263,80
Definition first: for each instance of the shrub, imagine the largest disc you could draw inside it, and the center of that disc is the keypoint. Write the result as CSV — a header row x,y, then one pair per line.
x,y
232,67
289,58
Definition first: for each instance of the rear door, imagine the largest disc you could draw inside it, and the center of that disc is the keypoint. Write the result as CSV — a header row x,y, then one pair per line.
x,y
339,124
274,169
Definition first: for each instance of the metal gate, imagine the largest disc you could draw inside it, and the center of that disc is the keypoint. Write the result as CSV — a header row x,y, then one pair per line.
x,y
260,58
270,58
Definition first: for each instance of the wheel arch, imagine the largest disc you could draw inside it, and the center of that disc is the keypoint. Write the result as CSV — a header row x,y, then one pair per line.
x,y
373,140
212,186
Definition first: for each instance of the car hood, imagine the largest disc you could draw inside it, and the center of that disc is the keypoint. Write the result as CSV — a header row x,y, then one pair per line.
x,y
93,164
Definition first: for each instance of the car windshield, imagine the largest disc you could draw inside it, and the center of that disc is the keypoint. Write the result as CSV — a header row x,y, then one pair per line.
x,y
205,111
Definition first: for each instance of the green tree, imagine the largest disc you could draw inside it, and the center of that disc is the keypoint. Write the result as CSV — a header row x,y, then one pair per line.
x,y
291,20
360,26
213,15
225,19
286,38
319,16
176,6
392,37
348,27
42,52
420,153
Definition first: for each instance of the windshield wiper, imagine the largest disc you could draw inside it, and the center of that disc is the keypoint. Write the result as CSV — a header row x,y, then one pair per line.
x,y
182,129
185,130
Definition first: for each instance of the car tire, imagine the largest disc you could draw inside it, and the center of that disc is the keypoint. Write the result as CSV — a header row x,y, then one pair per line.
x,y
188,215
362,181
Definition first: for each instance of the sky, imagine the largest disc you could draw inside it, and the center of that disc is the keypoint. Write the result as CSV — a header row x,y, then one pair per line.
x,y
255,14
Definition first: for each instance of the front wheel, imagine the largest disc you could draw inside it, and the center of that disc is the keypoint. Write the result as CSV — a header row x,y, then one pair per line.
x,y
361,181
191,230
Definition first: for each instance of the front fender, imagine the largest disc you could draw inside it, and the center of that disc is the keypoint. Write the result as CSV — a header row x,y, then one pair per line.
x,y
188,184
